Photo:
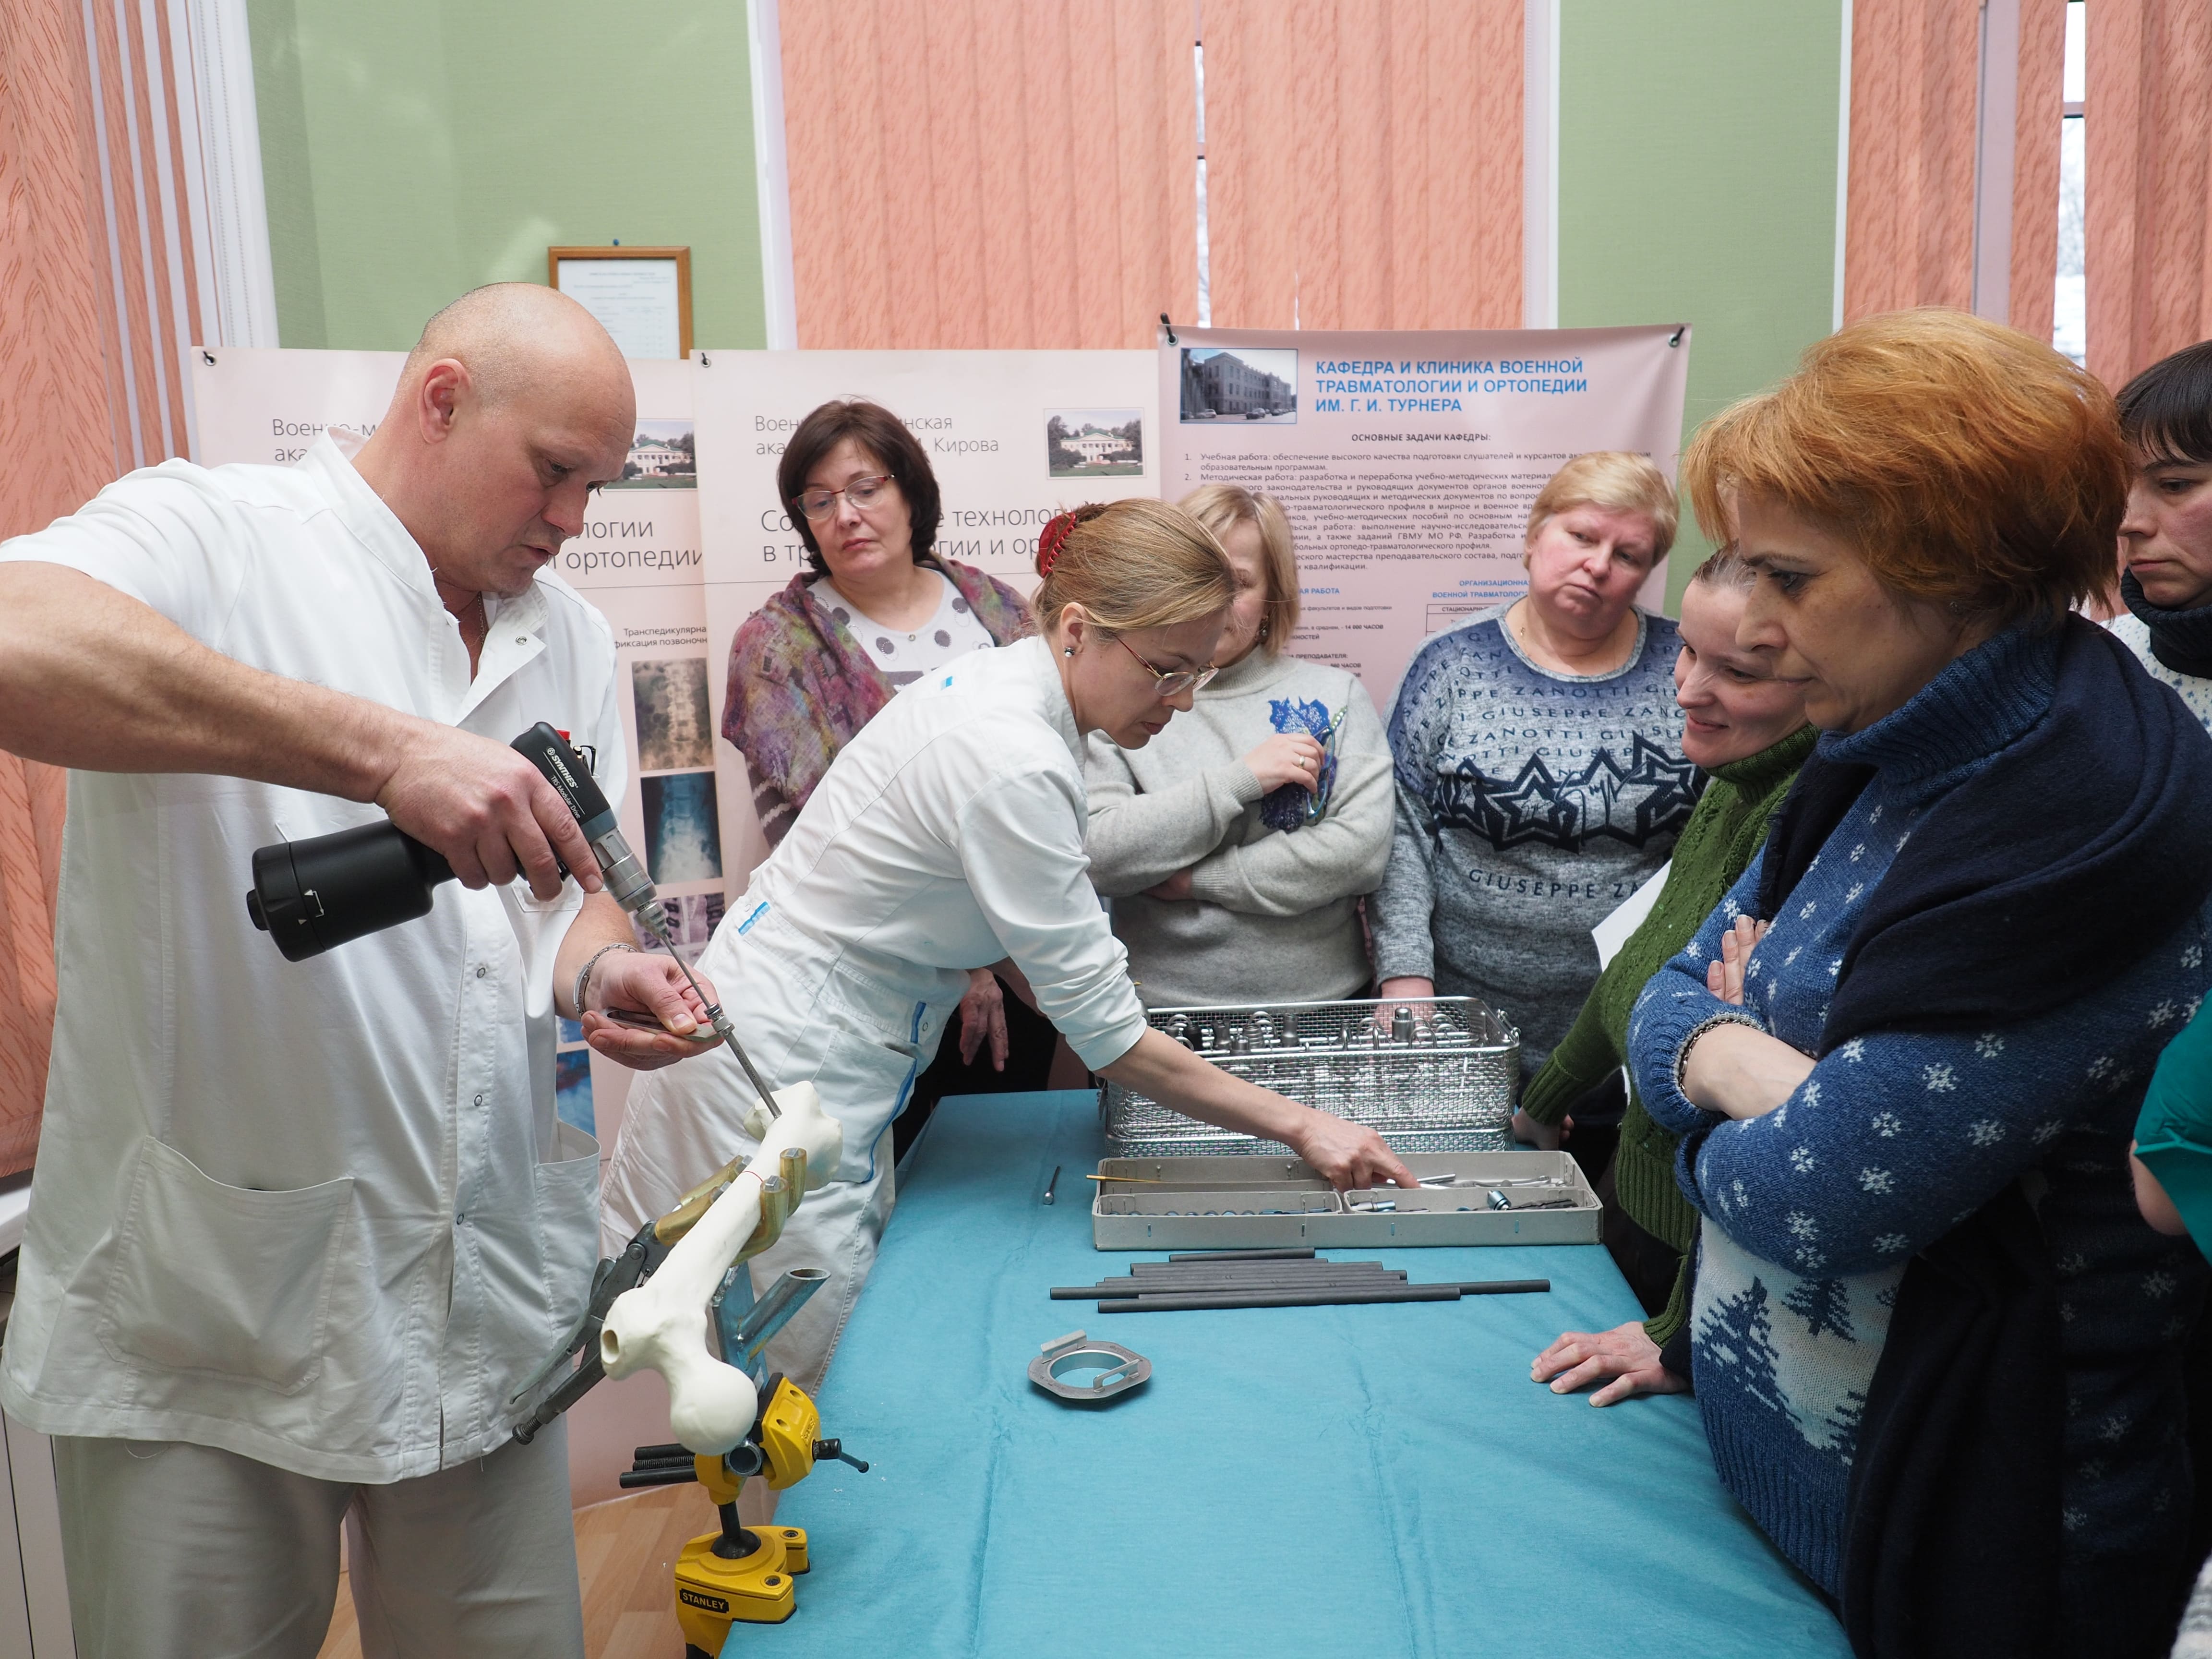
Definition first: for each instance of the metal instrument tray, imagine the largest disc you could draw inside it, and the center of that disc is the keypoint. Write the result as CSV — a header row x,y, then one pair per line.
x,y
1259,1201
1441,1077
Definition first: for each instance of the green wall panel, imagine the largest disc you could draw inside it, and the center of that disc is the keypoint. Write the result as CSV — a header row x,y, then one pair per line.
x,y
1698,184
415,149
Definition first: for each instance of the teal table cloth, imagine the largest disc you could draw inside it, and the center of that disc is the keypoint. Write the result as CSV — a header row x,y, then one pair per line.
x,y
1380,1480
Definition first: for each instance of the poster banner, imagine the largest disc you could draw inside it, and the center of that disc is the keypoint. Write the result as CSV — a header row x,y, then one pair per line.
x,y
638,559
1012,436
1407,462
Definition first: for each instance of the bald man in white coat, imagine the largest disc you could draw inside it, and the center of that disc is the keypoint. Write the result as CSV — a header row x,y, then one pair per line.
x,y
299,1231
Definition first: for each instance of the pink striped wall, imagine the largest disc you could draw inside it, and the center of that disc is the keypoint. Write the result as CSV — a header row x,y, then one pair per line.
x,y
1006,173
2036,121
2147,106
1363,160
1909,239
97,297
1012,174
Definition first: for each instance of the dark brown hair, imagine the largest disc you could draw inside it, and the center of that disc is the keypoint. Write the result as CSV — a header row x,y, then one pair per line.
x,y
2166,411
1969,466
884,436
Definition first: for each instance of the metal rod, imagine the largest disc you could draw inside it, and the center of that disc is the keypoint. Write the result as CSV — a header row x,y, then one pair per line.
x,y
1268,1271
1506,1287
1217,1284
768,1316
1163,1286
1295,1271
723,1029
1316,1298
1184,1263
1052,1183
1304,1253
1172,1281
1174,1301
630,1479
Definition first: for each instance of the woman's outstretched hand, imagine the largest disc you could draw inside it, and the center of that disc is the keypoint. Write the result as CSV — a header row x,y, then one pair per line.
x,y
1625,1359
1350,1156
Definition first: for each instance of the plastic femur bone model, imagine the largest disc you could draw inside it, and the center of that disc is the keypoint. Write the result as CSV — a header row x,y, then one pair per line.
x,y
738,1213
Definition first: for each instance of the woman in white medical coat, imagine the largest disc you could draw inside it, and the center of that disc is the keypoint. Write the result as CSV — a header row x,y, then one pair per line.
x,y
948,835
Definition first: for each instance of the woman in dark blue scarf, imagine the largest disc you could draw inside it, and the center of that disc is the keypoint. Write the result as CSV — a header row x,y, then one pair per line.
x,y
1933,1343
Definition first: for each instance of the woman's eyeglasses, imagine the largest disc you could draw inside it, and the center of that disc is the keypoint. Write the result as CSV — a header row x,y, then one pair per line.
x,y
1172,682
862,492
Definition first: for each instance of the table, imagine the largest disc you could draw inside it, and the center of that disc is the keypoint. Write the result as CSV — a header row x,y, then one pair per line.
x,y
1380,1480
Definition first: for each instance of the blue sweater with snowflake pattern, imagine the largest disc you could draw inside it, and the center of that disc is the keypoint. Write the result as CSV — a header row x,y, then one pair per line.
x,y
1531,804
1813,1210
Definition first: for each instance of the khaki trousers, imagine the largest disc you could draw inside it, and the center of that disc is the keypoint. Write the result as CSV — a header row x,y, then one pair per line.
x,y
182,1552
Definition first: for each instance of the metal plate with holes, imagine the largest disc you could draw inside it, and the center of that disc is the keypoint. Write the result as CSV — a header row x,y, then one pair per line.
x,y
1440,1079
1087,1373
1260,1201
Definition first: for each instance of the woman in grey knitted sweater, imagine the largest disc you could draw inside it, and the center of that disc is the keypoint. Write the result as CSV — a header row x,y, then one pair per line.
x,y
1236,844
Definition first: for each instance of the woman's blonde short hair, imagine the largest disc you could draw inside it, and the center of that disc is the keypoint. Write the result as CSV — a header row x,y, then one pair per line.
x,y
1969,466
1617,480
1132,564
1221,508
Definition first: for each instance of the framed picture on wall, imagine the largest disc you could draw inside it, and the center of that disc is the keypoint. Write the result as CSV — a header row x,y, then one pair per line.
x,y
642,295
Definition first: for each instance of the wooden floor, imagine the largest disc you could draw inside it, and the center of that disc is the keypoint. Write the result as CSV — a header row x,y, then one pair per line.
x,y
625,1551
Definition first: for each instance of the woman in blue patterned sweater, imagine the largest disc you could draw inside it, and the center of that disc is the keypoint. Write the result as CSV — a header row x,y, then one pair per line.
x,y
1538,753
1933,1344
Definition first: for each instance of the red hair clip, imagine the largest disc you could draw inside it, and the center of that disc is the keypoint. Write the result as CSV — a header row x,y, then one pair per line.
x,y
1052,541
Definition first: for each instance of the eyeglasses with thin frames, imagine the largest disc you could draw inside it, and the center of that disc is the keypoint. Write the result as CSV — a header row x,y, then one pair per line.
x,y
1172,683
863,493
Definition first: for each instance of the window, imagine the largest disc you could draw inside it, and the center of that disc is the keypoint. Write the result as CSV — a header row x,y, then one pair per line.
x,y
2069,330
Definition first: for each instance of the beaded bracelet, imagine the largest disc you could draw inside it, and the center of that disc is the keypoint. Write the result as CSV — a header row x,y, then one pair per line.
x,y
584,976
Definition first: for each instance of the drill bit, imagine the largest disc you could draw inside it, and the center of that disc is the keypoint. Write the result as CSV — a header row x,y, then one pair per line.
x,y
656,924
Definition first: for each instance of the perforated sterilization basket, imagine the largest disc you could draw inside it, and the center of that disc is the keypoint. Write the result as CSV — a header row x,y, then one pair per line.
x,y
1439,1075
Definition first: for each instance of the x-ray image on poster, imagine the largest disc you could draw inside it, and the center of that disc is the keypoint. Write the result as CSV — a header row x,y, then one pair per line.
x,y
692,920
669,697
572,1090
683,833
1407,462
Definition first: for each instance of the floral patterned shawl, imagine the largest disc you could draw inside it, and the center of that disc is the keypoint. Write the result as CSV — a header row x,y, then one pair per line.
x,y
801,685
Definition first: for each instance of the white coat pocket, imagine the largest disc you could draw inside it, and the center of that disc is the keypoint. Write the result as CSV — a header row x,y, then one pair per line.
x,y
865,1082
224,1281
566,1193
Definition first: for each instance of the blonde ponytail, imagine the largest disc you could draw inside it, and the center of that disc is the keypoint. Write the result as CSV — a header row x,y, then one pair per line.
x,y
1131,564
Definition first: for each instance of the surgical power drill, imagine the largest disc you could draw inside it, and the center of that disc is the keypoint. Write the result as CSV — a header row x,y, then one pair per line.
x,y
312,896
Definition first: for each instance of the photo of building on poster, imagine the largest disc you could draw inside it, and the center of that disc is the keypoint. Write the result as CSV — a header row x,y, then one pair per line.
x,y
1251,383
1091,443
663,455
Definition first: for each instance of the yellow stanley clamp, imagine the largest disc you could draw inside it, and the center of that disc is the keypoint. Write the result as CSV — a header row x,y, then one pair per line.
x,y
739,1574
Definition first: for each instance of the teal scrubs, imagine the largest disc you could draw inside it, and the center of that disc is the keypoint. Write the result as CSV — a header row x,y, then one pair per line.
x,y
2173,1135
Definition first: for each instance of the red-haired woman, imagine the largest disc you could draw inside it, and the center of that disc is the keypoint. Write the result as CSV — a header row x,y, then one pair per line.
x,y
1933,1345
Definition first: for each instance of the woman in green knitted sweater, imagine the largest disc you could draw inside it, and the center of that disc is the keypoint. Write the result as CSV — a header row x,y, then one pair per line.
x,y
1748,730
